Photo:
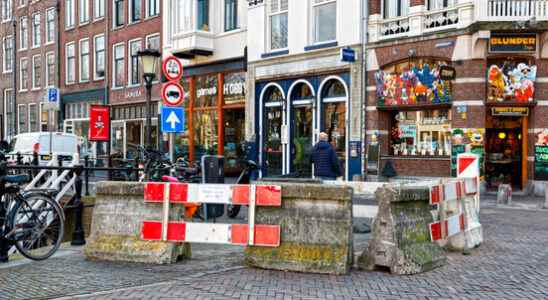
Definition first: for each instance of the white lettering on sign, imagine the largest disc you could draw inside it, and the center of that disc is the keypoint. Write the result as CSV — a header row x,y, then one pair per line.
x,y
134,94
206,92
215,193
237,88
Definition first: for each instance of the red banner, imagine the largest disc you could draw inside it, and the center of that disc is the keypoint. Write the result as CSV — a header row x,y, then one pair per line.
x,y
99,123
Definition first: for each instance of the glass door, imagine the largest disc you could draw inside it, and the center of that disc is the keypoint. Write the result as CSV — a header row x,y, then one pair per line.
x,y
273,128
301,120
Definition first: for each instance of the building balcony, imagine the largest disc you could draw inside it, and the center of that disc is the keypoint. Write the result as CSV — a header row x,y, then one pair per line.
x,y
421,21
191,44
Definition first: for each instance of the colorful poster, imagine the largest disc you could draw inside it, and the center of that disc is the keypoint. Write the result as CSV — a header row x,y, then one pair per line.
x,y
99,123
541,156
413,84
511,83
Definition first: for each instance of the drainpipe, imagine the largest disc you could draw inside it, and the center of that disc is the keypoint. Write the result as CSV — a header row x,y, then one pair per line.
x,y
364,40
60,115
14,74
106,99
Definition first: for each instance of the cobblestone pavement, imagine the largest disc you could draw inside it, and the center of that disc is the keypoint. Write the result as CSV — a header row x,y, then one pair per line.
x,y
511,264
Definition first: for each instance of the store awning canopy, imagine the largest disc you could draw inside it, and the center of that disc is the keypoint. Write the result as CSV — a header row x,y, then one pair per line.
x,y
192,53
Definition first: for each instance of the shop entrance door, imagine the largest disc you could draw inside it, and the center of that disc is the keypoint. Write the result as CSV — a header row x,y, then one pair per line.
x,y
505,149
272,140
301,123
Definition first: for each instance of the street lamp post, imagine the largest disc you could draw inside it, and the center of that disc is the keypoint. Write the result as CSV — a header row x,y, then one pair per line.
x,y
149,61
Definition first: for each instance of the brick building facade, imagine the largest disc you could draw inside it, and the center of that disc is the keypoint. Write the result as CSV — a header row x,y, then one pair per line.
x,y
84,55
134,25
495,106
34,26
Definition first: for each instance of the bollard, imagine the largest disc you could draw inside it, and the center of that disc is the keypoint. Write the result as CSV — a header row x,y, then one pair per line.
x,y
35,162
86,174
109,166
545,206
78,237
504,194
136,166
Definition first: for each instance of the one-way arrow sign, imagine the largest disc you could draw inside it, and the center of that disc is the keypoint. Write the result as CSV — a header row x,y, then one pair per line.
x,y
173,119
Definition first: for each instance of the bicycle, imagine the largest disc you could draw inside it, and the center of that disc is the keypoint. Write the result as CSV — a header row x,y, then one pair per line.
x,y
30,220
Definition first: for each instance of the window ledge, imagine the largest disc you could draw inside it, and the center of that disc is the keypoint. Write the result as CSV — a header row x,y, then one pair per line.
x,y
230,32
98,19
321,46
275,53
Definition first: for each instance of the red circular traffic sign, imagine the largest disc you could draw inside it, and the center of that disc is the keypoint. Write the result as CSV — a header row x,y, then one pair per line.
x,y
172,94
172,68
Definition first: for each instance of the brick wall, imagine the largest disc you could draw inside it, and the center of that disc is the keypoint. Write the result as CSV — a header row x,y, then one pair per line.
x,y
420,167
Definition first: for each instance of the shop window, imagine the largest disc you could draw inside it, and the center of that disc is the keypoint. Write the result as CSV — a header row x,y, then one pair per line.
x,y
413,82
234,88
206,91
334,89
205,133
511,80
273,131
421,133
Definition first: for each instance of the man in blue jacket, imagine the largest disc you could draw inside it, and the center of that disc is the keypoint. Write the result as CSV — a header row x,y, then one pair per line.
x,y
324,158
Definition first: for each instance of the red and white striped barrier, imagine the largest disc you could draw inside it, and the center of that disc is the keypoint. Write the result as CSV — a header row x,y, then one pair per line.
x,y
236,234
448,197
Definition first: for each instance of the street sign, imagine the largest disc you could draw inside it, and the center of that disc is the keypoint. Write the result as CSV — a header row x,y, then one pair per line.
x,y
468,165
172,68
99,123
51,99
172,94
348,55
173,119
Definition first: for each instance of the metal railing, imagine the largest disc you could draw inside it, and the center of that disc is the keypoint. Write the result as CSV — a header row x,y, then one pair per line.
x,y
511,10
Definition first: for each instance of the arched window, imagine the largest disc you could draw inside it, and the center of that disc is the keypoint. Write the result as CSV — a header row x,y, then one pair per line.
x,y
273,99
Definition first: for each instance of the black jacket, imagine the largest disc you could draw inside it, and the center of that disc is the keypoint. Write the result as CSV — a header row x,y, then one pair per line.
x,y
324,158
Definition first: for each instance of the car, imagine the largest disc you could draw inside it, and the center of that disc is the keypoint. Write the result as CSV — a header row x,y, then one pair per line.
x,y
66,146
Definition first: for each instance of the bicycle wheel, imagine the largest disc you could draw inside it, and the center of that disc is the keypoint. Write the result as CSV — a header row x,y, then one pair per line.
x,y
38,225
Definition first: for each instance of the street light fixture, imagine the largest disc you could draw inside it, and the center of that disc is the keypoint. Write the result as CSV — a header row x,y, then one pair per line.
x,y
149,61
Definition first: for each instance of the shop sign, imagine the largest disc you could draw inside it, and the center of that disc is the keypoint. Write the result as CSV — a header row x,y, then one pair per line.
x,y
99,123
234,88
510,111
514,42
541,162
447,73
172,68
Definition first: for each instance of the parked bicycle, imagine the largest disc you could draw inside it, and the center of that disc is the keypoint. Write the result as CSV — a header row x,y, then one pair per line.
x,y
245,177
30,220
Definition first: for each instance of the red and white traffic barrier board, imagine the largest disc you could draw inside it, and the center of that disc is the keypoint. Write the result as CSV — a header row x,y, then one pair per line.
x,y
447,228
237,234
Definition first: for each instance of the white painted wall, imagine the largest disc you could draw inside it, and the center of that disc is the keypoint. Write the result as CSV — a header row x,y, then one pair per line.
x,y
225,45
300,26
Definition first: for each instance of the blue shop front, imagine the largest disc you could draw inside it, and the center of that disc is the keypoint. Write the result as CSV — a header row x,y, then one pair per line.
x,y
291,113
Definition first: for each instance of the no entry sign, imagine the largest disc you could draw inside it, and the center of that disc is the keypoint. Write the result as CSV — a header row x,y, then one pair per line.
x,y
172,94
172,68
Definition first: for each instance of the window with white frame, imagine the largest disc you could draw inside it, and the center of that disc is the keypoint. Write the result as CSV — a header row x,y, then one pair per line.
x,y
69,13
98,9
277,19
182,15
440,4
84,60
50,69
44,117
99,61
8,104
118,13
23,33
70,63
231,15
395,8
36,72
7,61
33,117
119,56
152,8
134,11
24,74
36,34
22,118
134,76
50,25
153,42
84,11
6,10
202,15
23,3
324,20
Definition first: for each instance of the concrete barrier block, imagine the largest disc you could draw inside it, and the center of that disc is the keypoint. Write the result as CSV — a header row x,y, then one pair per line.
x,y
316,230
401,235
116,226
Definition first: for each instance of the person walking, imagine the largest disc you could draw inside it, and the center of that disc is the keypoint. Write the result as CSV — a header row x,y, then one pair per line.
x,y
324,158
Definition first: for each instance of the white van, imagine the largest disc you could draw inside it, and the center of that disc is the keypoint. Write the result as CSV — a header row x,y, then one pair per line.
x,y
65,145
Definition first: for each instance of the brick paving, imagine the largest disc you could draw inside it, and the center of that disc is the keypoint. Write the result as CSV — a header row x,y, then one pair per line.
x,y
511,264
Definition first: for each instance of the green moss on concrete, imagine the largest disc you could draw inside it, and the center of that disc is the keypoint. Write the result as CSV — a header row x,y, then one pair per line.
x,y
301,257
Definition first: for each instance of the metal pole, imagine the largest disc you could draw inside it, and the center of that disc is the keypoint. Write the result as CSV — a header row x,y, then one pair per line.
x,y
148,111
78,236
14,72
171,147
